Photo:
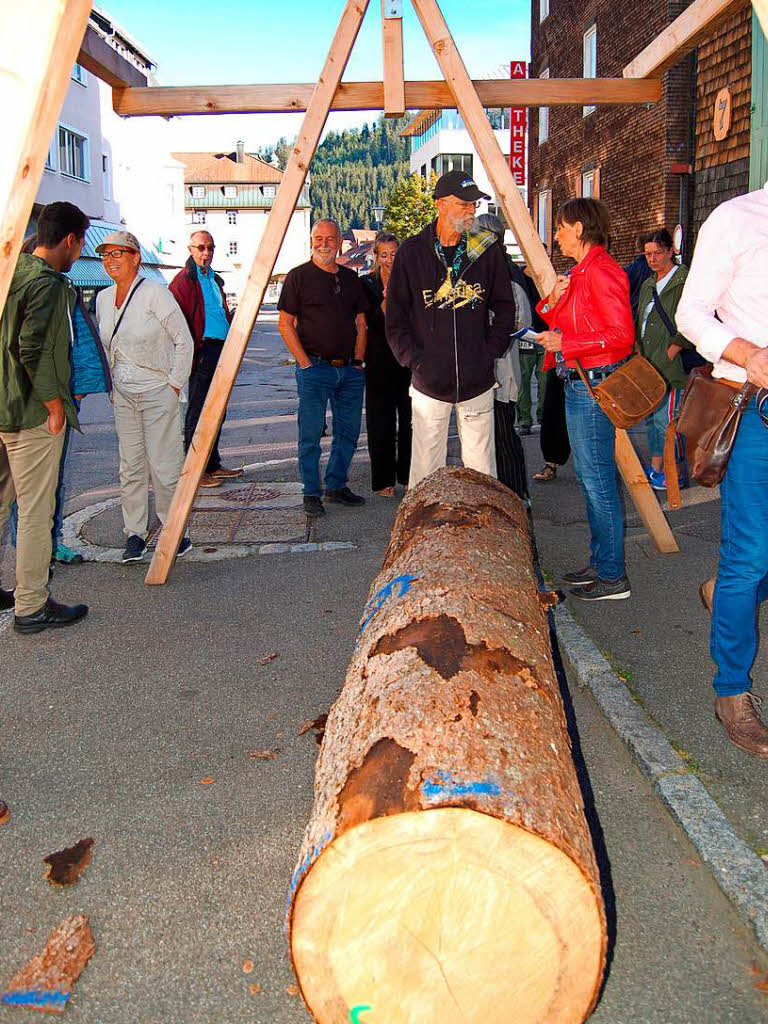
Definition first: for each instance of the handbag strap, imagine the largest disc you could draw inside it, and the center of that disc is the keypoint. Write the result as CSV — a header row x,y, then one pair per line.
x,y
126,304
663,313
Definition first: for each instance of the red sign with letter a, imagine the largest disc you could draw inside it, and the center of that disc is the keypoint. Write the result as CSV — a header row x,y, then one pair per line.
x,y
518,122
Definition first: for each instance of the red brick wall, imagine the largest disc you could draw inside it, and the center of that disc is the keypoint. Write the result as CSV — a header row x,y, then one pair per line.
x,y
633,146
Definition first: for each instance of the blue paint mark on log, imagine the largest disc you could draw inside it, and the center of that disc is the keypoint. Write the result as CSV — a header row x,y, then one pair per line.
x,y
382,596
354,1014
301,871
443,785
37,998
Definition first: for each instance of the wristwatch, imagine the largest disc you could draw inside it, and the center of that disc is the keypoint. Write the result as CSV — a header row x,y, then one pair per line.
x,y
358,362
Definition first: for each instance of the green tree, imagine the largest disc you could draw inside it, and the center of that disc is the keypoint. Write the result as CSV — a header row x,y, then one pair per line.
x,y
410,206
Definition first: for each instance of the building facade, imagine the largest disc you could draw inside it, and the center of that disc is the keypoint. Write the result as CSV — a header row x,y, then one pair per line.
x,y
230,195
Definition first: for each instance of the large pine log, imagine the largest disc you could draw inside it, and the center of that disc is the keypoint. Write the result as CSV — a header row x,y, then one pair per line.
x,y
447,872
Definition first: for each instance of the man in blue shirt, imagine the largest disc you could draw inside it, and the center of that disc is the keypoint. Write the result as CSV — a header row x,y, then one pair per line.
x,y
200,294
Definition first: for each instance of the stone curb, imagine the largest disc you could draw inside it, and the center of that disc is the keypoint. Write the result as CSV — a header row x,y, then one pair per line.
x,y
739,872
72,528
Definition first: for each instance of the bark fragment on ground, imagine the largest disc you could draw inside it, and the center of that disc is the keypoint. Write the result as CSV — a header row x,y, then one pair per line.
x,y
46,982
66,866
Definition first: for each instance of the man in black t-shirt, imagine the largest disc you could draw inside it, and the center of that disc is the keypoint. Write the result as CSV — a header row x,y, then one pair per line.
x,y
322,322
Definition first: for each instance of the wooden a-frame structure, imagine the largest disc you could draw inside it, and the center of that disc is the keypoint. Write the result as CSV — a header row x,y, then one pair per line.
x,y
39,43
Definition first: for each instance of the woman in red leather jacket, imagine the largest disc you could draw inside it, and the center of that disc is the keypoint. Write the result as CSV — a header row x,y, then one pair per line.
x,y
591,324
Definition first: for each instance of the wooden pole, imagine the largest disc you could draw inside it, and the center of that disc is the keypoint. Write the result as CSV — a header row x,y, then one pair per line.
x,y
392,47
258,279
39,43
684,34
471,109
178,100
447,873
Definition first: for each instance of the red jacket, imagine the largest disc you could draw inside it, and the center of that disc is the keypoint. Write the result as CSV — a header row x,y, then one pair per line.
x,y
594,314
186,289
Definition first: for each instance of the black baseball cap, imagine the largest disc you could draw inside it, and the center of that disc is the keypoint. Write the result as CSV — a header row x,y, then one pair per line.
x,y
459,184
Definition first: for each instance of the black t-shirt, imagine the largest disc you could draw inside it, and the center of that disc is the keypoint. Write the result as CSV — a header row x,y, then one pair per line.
x,y
325,306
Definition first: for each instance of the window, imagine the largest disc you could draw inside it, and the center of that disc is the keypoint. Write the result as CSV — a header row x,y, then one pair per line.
x,y
73,154
543,9
79,74
105,176
50,160
230,191
497,211
231,216
544,217
268,191
590,58
198,192
453,162
544,115
198,216
588,183
232,250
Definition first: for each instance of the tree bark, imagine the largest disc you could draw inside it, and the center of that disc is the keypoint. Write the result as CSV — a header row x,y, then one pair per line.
x,y
447,872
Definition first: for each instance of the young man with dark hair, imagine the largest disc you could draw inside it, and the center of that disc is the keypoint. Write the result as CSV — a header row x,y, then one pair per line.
x,y
35,404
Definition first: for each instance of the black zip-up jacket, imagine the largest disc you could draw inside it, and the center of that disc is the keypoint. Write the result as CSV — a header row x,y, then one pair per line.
x,y
445,334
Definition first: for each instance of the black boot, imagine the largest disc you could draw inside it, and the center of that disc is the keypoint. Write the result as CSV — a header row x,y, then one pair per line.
x,y
51,616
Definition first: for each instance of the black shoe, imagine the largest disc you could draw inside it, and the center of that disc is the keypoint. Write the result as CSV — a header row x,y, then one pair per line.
x,y
524,429
581,577
603,590
313,507
6,599
344,496
51,616
184,547
134,549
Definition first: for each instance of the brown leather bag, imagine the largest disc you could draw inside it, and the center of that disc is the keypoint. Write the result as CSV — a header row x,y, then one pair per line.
x,y
709,416
630,393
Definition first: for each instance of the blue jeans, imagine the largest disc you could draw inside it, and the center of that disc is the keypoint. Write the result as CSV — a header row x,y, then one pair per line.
x,y
343,387
592,438
656,425
742,575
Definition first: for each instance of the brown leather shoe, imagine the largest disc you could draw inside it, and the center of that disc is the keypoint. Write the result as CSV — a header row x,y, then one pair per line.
x,y
739,716
209,481
5,814
707,594
226,474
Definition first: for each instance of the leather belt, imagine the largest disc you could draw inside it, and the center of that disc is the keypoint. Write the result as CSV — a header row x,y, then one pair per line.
x,y
597,374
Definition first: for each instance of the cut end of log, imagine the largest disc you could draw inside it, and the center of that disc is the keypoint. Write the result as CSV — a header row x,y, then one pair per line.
x,y
472,914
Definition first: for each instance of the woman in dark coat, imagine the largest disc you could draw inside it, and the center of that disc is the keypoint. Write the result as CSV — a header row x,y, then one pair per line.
x,y
387,402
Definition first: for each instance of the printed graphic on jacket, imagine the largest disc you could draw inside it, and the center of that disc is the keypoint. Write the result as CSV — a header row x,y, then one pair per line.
x,y
453,296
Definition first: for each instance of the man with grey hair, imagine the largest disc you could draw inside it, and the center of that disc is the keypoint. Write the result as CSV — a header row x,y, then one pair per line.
x,y
322,322
200,293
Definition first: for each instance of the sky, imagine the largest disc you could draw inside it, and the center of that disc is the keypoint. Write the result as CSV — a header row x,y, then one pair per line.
x,y
253,41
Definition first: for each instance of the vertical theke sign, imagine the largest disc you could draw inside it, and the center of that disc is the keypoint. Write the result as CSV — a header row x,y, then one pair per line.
x,y
517,124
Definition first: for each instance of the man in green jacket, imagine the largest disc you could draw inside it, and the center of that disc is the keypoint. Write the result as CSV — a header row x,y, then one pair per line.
x,y
35,404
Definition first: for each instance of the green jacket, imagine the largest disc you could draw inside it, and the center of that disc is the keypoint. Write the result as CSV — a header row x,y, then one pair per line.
x,y
656,340
35,340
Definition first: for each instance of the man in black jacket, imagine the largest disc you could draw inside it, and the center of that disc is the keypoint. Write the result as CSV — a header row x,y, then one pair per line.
x,y
450,312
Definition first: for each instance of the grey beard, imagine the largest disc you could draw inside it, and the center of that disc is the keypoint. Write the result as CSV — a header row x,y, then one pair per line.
x,y
326,260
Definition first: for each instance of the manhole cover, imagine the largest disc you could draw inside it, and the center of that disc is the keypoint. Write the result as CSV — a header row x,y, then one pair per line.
x,y
245,526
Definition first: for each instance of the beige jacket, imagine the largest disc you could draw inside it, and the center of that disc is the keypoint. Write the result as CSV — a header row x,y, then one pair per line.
x,y
153,333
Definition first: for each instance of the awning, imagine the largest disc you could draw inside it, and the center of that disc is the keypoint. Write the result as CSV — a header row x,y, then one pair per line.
x,y
89,273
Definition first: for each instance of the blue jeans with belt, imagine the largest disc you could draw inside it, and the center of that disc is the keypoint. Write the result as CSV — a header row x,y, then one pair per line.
x,y
592,437
342,387
742,575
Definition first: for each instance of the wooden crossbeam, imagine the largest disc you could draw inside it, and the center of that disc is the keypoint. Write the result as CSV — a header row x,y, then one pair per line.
x,y
685,33
102,60
471,108
392,48
249,305
172,101
39,42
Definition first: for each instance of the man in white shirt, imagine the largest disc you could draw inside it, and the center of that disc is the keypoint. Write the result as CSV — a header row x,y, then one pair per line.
x,y
729,277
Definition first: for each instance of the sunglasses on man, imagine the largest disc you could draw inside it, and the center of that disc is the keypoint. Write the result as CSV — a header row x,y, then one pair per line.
x,y
203,248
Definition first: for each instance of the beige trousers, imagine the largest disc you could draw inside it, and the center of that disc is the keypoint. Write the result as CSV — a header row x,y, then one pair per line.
x,y
29,472
150,443
431,417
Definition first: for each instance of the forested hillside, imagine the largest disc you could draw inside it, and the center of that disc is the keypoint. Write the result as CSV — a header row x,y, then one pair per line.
x,y
354,170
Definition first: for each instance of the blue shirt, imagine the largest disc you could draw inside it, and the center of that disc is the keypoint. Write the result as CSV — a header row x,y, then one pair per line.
x,y
216,325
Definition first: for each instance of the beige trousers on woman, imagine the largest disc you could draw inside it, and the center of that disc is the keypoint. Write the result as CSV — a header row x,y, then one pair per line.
x,y
149,438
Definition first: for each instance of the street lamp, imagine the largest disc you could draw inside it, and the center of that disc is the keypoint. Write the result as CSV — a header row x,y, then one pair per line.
x,y
378,215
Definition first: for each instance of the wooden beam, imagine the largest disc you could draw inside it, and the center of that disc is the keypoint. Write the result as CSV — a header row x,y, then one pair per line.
x,y
392,47
102,60
507,193
250,302
38,45
685,33
172,101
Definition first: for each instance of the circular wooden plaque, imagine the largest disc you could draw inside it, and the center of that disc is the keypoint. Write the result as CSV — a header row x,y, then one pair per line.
x,y
723,114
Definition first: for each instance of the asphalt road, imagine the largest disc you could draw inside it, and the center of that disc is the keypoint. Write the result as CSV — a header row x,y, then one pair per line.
x,y
109,728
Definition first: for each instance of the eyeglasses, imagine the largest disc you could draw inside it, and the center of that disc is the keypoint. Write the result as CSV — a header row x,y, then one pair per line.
x,y
203,248
336,285
115,254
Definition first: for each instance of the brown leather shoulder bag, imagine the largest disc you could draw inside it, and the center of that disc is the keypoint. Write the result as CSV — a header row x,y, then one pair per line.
x,y
630,393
